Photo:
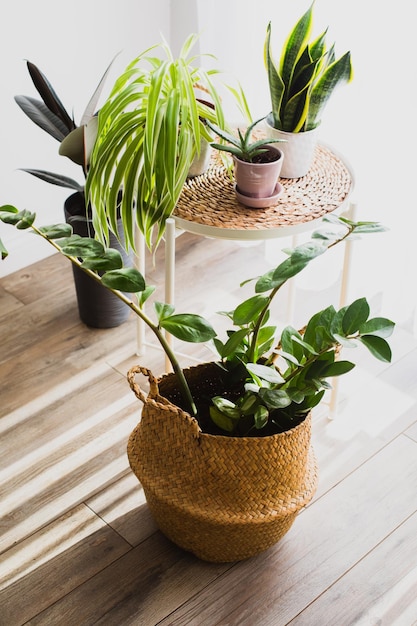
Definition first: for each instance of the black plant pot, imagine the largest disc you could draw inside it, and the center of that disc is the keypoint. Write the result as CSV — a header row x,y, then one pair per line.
x,y
98,307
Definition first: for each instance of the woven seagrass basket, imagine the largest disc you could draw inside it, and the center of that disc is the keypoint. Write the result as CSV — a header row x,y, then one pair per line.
x,y
223,498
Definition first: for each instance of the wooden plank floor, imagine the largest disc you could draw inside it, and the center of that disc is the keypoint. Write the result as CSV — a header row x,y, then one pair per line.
x,y
78,545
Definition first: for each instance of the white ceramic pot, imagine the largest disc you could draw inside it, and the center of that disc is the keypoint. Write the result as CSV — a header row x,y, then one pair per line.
x,y
201,160
298,149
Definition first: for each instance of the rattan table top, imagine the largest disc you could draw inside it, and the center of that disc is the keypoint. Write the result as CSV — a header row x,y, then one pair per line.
x,y
208,205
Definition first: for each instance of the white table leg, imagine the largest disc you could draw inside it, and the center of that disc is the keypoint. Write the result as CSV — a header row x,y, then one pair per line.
x,y
291,286
140,266
169,273
347,265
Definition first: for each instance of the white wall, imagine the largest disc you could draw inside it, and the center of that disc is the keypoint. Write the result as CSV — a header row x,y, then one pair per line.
x,y
72,44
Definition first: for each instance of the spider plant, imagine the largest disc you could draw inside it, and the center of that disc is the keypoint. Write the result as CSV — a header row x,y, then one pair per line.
x,y
149,131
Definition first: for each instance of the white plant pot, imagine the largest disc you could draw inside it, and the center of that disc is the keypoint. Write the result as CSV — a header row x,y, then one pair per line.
x,y
201,160
298,150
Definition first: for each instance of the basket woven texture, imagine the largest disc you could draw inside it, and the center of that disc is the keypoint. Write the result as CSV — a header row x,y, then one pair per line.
x,y
222,498
210,198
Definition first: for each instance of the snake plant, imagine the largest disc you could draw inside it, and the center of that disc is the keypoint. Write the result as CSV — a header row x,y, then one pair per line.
x,y
305,77
149,131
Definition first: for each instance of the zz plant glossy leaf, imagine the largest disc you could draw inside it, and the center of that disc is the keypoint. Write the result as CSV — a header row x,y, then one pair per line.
x,y
110,260
20,219
188,327
56,231
233,343
81,246
378,347
127,279
275,398
248,310
379,326
355,315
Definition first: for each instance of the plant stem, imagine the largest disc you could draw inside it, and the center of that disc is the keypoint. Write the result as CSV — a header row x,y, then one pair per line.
x,y
257,327
261,317
142,315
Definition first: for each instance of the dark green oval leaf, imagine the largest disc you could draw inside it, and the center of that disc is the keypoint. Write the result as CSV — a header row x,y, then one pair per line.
x,y
308,251
247,311
288,345
126,279
163,310
378,347
56,231
22,219
82,247
264,283
379,326
233,343
318,331
313,400
26,219
189,327
145,294
307,347
338,368
355,315
110,260
8,208
275,398
287,269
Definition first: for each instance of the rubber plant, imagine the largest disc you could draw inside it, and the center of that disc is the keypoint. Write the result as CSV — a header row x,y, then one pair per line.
x,y
149,131
279,377
76,140
305,77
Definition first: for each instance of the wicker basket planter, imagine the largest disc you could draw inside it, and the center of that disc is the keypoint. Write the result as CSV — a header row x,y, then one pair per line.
x,y
222,498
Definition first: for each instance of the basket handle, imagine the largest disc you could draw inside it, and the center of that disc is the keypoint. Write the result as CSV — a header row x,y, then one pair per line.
x,y
153,382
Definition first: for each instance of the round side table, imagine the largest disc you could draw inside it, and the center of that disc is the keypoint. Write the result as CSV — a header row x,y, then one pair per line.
x,y
208,205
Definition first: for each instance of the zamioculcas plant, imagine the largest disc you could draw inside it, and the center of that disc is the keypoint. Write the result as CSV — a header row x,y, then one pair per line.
x,y
304,78
149,131
277,380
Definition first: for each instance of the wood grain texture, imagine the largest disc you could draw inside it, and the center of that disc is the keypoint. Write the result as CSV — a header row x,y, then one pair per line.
x,y
382,586
78,545
64,554
328,539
